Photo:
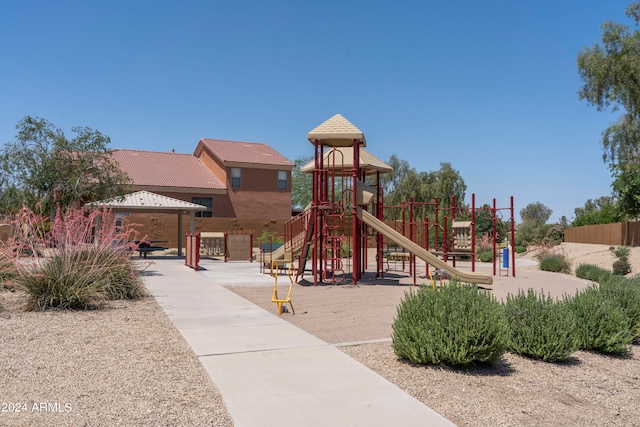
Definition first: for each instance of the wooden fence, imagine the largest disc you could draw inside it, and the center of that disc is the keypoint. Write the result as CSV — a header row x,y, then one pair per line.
x,y
618,234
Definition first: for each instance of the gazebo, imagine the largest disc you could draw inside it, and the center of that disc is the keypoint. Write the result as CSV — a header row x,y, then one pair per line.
x,y
145,201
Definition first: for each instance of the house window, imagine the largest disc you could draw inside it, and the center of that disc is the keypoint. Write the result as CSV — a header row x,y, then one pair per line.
x,y
236,177
204,201
282,180
119,216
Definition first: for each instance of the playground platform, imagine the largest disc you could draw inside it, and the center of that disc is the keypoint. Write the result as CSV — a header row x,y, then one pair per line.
x,y
269,372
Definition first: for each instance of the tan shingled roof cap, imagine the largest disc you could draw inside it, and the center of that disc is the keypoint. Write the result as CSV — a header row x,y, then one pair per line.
x,y
145,200
343,159
336,132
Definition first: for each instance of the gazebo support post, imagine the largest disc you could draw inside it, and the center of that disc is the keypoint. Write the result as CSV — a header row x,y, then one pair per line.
x,y
180,236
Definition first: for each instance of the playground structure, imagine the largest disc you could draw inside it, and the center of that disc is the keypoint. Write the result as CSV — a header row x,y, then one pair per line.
x,y
347,216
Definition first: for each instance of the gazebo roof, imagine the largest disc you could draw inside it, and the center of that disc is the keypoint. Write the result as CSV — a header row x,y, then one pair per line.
x,y
337,132
147,201
341,159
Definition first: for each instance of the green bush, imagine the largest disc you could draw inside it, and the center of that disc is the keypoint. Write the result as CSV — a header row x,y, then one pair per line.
x,y
520,249
80,278
602,324
592,272
626,294
540,327
554,235
622,252
486,256
456,324
621,267
555,263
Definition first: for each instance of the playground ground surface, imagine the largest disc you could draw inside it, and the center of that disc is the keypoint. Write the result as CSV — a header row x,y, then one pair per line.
x,y
589,390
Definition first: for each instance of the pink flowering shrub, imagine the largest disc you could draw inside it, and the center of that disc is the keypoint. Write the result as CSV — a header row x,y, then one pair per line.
x,y
80,260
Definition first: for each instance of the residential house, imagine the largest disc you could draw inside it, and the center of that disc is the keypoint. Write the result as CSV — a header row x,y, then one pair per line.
x,y
244,185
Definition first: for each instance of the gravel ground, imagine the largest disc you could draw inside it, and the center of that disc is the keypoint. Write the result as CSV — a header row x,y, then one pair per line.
x,y
589,390
123,365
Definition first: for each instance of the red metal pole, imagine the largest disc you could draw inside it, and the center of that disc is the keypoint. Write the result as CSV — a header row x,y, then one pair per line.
x,y
445,239
435,242
513,240
411,232
355,232
493,215
473,232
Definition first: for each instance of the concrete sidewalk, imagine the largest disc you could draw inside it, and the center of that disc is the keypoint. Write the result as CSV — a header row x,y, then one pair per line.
x,y
269,372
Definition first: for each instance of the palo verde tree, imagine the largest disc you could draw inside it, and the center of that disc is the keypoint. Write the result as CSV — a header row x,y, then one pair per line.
x,y
42,166
611,75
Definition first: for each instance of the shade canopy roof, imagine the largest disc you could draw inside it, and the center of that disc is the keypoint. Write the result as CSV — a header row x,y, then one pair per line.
x,y
341,159
337,132
147,201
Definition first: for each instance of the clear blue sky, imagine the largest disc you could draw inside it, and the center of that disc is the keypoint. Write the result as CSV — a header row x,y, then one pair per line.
x,y
488,86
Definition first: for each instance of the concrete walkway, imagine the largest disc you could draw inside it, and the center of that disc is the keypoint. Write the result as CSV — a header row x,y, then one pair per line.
x,y
269,372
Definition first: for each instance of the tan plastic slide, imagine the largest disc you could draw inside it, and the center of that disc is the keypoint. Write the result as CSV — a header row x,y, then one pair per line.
x,y
279,254
420,252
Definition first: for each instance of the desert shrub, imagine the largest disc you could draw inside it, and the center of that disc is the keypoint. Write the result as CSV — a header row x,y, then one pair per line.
x,y
555,263
486,256
270,237
484,244
602,324
8,272
80,278
554,235
553,260
625,293
84,267
520,249
540,327
456,324
622,252
621,267
592,272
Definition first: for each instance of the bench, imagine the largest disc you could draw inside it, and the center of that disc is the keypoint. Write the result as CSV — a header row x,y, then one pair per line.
x,y
398,256
145,247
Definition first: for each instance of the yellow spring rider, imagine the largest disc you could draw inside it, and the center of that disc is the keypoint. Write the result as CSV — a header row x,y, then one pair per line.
x,y
274,273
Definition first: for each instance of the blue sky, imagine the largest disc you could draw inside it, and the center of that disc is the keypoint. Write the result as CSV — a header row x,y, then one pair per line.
x,y
490,87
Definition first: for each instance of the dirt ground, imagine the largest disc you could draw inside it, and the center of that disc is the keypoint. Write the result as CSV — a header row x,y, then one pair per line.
x,y
345,313
590,390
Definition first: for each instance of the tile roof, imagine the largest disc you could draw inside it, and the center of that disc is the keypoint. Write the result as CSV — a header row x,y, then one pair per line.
x,y
243,152
145,200
336,132
155,169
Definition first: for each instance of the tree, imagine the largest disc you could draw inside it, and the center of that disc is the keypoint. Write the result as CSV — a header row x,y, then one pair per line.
x,y
401,170
534,223
611,76
443,184
43,167
301,184
626,188
603,210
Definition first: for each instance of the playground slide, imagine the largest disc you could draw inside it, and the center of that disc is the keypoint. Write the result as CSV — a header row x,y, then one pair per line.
x,y
278,254
420,252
